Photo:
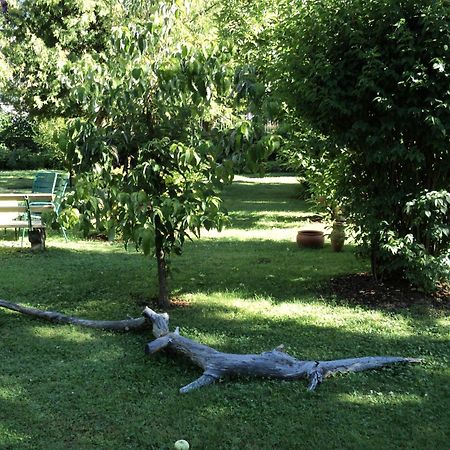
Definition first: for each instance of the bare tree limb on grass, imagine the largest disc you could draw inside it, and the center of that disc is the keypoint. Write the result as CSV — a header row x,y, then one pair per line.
x,y
216,365
275,363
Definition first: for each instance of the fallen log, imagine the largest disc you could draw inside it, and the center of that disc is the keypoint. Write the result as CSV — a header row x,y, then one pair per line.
x,y
275,363
216,365
131,324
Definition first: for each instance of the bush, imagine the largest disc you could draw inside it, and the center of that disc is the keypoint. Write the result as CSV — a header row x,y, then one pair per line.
x,y
374,75
47,135
26,144
424,253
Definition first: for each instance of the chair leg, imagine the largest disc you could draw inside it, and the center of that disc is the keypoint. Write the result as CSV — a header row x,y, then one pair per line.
x,y
64,233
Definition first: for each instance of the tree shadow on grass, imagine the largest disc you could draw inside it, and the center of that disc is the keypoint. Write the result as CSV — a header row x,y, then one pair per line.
x,y
89,278
278,269
256,221
73,388
275,268
88,387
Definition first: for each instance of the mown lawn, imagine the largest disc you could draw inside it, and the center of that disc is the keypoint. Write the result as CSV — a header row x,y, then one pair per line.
x,y
248,289
16,180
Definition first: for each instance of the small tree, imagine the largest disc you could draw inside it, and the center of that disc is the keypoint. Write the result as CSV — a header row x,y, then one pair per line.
x,y
143,147
374,75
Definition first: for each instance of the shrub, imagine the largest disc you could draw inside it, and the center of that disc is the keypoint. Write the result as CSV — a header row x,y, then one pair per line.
x,y
424,253
47,135
374,75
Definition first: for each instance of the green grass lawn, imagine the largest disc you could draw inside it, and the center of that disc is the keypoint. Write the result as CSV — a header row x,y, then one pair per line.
x,y
248,289
16,180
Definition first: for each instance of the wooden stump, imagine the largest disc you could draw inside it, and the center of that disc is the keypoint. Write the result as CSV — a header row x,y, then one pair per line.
x,y
37,237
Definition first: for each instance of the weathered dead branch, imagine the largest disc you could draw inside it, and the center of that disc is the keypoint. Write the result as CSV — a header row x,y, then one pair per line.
x,y
275,363
115,325
272,364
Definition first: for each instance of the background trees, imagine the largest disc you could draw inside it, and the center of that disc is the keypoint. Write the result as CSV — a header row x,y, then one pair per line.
x,y
26,143
40,38
39,41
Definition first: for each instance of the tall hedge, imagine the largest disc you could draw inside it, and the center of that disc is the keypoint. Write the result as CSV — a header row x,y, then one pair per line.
x,y
375,76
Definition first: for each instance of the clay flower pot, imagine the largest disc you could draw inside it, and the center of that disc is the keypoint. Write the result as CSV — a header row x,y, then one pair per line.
x,y
310,238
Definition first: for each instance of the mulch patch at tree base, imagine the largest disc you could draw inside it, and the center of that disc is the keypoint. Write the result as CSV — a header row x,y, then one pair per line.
x,y
363,289
175,302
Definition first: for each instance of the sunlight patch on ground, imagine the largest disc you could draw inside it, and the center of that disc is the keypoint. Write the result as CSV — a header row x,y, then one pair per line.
x,y
350,319
262,202
376,398
13,244
267,179
11,438
274,234
272,214
11,392
445,323
210,338
86,246
63,333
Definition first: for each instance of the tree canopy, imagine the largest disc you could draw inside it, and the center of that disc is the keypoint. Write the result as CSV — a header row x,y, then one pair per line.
x,y
40,39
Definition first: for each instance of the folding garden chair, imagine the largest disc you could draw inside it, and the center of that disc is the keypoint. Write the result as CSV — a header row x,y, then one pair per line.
x,y
54,183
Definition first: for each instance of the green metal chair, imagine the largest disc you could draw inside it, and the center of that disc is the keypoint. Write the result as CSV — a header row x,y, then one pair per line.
x,y
54,183
44,181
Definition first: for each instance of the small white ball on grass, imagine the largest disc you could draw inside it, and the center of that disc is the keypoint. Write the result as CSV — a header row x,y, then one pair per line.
x,y
181,445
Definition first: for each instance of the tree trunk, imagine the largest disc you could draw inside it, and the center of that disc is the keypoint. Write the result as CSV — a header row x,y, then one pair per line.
x,y
163,294
272,364
375,258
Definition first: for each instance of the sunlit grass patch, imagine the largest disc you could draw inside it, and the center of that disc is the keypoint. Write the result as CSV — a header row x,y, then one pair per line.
x,y
16,180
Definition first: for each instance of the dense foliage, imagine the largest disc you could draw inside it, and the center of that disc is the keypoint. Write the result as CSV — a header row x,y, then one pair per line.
x,y
27,144
374,75
40,38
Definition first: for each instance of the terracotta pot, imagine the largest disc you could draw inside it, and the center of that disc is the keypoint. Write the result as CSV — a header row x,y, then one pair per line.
x,y
337,236
310,238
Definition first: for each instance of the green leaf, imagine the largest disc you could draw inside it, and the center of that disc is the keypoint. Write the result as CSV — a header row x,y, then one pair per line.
x,y
142,44
136,73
